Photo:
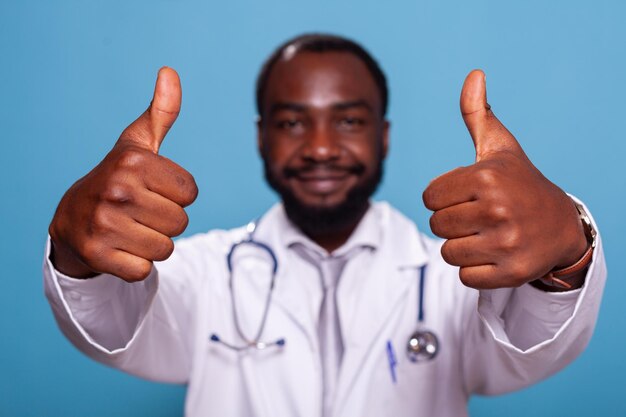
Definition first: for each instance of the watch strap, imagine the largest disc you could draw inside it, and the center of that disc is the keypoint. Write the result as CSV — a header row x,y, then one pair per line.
x,y
558,278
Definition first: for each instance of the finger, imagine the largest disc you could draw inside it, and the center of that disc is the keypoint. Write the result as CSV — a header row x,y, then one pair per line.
x,y
481,277
170,180
159,213
488,134
141,241
122,264
165,105
467,251
149,130
501,275
452,188
487,277
457,221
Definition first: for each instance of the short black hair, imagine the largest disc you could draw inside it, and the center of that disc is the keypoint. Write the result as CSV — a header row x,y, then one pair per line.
x,y
320,43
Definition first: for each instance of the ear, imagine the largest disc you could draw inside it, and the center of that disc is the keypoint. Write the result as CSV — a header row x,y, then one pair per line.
x,y
259,134
385,136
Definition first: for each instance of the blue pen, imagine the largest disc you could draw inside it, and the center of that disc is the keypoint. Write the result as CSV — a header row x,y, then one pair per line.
x,y
391,356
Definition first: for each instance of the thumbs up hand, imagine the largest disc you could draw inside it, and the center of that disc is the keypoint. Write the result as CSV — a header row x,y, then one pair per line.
x,y
505,223
121,216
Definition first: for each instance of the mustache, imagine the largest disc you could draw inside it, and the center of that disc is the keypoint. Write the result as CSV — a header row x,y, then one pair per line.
x,y
327,168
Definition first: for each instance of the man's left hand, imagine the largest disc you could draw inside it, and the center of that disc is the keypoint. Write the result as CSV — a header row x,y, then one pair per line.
x,y
505,223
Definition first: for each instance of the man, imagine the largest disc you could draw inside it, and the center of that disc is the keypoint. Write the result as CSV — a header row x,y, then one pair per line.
x,y
325,330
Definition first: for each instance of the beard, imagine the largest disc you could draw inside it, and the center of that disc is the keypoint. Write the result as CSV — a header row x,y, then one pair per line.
x,y
321,220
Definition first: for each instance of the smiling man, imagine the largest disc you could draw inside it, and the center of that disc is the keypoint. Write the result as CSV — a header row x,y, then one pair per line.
x,y
333,305
323,137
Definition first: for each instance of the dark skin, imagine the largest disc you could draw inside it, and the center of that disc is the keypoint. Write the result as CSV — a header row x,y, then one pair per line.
x,y
500,216
322,116
506,223
121,216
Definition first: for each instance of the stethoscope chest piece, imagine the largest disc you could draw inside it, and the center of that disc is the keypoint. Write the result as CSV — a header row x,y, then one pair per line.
x,y
423,346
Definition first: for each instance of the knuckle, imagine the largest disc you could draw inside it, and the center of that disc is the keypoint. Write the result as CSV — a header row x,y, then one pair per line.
x,y
511,241
190,190
448,253
428,197
463,276
96,225
487,176
467,278
118,192
163,249
137,272
499,213
91,251
181,222
131,158
436,224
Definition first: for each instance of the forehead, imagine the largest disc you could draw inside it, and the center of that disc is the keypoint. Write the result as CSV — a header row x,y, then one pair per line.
x,y
321,79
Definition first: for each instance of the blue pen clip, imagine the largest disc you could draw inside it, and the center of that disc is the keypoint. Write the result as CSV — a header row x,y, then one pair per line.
x,y
391,357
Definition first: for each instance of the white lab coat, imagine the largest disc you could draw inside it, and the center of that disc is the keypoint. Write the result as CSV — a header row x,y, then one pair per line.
x,y
490,342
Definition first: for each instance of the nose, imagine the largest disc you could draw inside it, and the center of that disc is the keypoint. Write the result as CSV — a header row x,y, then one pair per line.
x,y
321,146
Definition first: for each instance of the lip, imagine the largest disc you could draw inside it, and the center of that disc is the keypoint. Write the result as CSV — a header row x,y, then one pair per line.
x,y
322,181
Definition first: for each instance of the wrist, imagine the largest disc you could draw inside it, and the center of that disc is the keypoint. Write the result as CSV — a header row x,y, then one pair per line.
x,y
572,275
66,263
575,238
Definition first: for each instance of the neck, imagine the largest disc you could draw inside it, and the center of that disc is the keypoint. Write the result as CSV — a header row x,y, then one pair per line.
x,y
333,238
330,242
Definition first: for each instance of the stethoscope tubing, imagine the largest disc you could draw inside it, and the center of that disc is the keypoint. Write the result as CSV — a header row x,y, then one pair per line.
x,y
255,342
422,345
420,301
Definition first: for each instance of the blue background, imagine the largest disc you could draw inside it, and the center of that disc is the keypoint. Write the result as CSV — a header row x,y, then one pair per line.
x,y
75,73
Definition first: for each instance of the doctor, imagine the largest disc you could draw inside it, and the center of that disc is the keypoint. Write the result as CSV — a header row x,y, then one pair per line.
x,y
366,316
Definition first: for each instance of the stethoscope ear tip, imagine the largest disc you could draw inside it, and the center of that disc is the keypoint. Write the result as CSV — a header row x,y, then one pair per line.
x,y
214,338
281,342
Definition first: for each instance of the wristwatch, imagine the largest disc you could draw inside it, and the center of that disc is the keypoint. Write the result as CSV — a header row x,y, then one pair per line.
x,y
558,278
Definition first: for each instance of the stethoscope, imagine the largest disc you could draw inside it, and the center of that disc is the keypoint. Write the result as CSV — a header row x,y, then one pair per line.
x,y
250,342
423,344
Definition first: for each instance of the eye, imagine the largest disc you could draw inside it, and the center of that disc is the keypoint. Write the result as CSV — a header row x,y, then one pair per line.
x,y
289,124
351,122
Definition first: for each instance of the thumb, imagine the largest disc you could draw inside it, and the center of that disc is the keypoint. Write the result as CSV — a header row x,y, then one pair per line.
x,y
488,134
150,128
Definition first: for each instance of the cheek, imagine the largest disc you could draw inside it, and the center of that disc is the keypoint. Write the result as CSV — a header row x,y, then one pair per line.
x,y
279,152
367,150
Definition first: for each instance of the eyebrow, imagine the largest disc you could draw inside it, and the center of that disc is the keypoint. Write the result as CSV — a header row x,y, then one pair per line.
x,y
300,108
352,104
276,107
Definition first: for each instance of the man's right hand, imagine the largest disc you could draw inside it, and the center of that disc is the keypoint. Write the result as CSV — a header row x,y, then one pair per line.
x,y
121,216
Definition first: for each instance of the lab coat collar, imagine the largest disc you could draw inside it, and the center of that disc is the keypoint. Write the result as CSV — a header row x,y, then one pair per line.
x,y
366,234
381,225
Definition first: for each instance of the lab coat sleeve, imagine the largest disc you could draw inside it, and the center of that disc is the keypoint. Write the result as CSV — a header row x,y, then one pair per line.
x,y
515,337
144,328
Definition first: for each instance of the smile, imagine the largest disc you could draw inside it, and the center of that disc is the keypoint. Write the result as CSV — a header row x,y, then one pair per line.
x,y
322,181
